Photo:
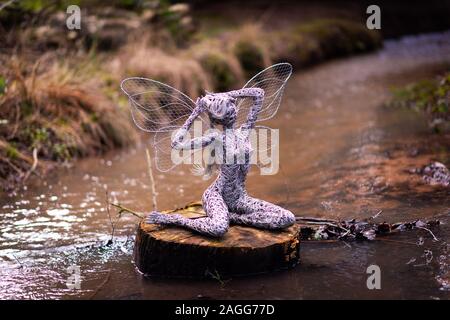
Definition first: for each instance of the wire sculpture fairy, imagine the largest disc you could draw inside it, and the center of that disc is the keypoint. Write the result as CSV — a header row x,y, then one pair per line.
x,y
170,114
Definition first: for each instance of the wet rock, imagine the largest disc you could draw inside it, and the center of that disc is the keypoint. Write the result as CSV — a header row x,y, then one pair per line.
x,y
436,173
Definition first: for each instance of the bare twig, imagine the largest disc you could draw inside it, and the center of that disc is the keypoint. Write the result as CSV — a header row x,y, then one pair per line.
x,y
376,215
119,215
113,225
123,209
344,235
18,261
20,172
432,234
104,282
314,219
33,166
152,180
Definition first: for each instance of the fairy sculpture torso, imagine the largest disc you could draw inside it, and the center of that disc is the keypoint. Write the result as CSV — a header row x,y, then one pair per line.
x,y
157,107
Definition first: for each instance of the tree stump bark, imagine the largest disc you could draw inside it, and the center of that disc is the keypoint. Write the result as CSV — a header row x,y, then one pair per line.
x,y
177,252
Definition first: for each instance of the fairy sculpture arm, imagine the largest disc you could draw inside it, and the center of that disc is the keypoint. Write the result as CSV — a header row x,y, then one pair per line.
x,y
195,143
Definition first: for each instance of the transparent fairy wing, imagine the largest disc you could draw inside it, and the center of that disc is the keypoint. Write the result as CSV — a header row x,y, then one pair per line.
x,y
268,142
161,109
265,143
168,158
273,81
156,105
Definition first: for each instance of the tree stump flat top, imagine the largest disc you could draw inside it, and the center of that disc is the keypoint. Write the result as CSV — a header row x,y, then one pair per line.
x,y
171,251
237,236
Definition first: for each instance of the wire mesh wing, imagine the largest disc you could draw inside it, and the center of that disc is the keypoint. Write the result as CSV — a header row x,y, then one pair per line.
x,y
265,143
168,158
156,106
161,109
273,81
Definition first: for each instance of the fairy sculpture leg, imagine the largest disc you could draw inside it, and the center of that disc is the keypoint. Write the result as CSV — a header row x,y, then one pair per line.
x,y
215,224
261,214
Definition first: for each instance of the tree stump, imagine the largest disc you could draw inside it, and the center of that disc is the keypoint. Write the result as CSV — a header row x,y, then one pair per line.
x,y
177,252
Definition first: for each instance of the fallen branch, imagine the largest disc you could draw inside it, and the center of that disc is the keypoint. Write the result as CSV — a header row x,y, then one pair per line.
x,y
123,209
357,230
376,215
432,234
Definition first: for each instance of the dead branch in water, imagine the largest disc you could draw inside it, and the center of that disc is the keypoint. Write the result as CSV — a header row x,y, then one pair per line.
x,y
123,209
324,229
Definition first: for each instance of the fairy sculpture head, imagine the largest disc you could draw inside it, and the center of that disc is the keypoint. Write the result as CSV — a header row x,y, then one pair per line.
x,y
221,108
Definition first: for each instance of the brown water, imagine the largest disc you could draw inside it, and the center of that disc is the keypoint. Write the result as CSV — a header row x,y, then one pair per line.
x,y
342,155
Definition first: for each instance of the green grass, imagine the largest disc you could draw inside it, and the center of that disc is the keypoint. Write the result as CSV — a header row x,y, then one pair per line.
x,y
12,152
2,85
430,96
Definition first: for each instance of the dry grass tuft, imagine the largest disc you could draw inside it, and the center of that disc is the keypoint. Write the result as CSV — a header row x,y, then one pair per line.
x,y
181,72
57,114
222,67
250,46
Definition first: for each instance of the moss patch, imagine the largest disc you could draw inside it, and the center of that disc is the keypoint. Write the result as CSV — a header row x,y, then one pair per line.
x,y
251,57
219,69
323,39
